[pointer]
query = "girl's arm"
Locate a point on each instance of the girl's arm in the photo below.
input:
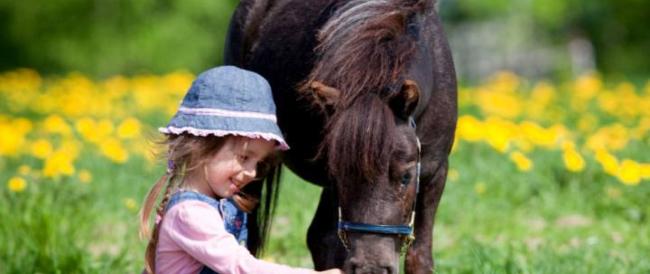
(198, 229)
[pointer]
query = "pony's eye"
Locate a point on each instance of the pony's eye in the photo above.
(406, 178)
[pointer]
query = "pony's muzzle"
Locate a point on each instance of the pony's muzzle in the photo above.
(359, 268)
(373, 254)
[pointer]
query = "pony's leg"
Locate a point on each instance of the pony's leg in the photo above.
(419, 258)
(322, 239)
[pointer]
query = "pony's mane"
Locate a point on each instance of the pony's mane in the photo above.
(364, 50)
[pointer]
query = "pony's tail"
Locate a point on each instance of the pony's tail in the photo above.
(259, 221)
(145, 214)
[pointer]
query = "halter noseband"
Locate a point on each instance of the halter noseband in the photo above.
(404, 231)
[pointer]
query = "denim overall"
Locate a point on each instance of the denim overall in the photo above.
(234, 219)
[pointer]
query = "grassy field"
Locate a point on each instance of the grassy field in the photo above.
(545, 177)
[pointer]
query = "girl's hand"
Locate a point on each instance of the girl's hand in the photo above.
(331, 271)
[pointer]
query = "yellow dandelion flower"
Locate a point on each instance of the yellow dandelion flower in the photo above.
(607, 161)
(22, 125)
(644, 124)
(644, 106)
(587, 86)
(617, 136)
(543, 92)
(86, 128)
(56, 124)
(498, 133)
(105, 126)
(628, 100)
(113, 150)
(505, 81)
(145, 88)
(71, 147)
(77, 102)
(537, 135)
(645, 171)
(608, 102)
(11, 140)
(566, 145)
(573, 161)
(130, 204)
(521, 161)
(85, 176)
(177, 81)
(541, 96)
(480, 188)
(469, 128)
(116, 86)
(24, 170)
(596, 142)
(16, 184)
(500, 104)
(41, 148)
(614, 137)
(59, 163)
(629, 172)
(129, 128)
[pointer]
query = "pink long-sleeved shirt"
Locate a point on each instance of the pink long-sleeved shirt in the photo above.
(192, 235)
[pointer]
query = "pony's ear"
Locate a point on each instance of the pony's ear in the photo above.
(404, 102)
(325, 94)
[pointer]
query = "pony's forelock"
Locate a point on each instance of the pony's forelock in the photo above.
(359, 140)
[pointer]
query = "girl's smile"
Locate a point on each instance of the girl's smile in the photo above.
(234, 187)
(231, 168)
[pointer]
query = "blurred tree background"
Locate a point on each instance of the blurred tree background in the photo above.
(107, 37)
(549, 37)
(535, 38)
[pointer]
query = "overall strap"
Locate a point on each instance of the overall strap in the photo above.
(235, 220)
(191, 195)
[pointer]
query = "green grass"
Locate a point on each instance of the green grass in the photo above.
(546, 221)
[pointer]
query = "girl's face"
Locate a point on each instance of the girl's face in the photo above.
(233, 166)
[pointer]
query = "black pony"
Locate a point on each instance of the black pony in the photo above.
(366, 97)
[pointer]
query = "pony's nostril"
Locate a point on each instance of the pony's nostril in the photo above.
(386, 270)
(373, 270)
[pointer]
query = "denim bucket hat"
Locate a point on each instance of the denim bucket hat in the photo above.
(227, 100)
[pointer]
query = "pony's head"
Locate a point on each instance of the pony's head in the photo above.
(371, 74)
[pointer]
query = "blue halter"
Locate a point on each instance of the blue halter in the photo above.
(404, 231)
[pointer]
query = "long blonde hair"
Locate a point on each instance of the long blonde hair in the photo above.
(186, 153)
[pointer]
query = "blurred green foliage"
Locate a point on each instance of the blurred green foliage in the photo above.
(109, 37)
(616, 28)
(102, 37)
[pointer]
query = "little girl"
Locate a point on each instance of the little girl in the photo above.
(223, 130)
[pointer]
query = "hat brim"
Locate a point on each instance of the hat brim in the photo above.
(198, 125)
